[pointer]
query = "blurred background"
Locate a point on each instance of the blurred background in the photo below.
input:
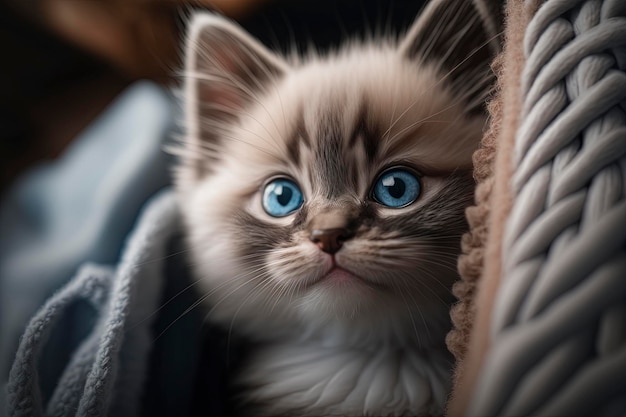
(65, 60)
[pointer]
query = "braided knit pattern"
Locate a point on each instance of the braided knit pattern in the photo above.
(559, 323)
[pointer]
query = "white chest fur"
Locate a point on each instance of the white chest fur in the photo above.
(316, 380)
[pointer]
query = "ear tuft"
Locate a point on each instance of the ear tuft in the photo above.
(461, 37)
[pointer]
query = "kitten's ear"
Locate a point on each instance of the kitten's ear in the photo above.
(226, 69)
(461, 37)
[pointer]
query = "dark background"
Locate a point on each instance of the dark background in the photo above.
(51, 89)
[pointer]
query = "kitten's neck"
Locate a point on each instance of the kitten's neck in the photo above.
(368, 332)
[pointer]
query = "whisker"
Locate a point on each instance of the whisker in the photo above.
(417, 334)
(187, 310)
(166, 303)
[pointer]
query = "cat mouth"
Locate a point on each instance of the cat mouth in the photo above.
(338, 274)
(341, 276)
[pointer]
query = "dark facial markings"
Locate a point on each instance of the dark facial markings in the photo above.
(333, 166)
(300, 219)
(299, 136)
(369, 135)
(259, 236)
(330, 163)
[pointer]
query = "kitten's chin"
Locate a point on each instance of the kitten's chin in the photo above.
(340, 294)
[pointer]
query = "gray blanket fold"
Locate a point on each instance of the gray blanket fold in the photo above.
(105, 371)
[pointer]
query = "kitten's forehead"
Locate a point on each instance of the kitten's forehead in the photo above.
(344, 118)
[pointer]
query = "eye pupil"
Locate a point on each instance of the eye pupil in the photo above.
(396, 188)
(283, 195)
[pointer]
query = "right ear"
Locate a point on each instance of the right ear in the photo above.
(461, 37)
(226, 70)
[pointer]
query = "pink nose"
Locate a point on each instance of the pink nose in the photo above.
(329, 240)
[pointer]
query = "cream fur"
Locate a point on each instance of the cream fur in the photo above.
(372, 346)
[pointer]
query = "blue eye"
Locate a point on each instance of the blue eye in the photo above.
(396, 188)
(281, 197)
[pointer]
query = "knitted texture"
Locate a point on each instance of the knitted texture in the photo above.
(106, 373)
(480, 265)
(471, 261)
(558, 334)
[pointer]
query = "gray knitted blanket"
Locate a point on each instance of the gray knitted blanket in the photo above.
(107, 370)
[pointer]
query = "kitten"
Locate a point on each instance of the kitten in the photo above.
(324, 203)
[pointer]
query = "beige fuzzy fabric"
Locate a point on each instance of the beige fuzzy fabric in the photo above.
(480, 263)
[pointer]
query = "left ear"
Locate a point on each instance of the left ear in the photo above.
(226, 70)
(460, 37)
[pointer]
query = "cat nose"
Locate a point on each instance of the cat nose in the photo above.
(330, 240)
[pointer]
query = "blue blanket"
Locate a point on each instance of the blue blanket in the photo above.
(91, 347)
(80, 207)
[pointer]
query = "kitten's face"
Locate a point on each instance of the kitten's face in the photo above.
(333, 193)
